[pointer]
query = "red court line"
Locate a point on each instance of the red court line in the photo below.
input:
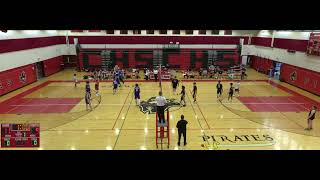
(121, 110)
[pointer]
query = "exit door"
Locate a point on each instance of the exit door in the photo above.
(39, 70)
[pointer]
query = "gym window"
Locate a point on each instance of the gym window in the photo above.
(110, 31)
(123, 31)
(176, 32)
(162, 31)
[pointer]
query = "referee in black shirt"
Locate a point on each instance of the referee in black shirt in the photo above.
(182, 130)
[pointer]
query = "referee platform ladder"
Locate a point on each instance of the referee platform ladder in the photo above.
(163, 131)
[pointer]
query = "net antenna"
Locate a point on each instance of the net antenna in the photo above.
(160, 77)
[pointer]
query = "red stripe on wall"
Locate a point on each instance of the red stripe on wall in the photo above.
(11, 45)
(156, 39)
(292, 44)
(261, 41)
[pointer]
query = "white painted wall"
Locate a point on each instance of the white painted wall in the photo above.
(299, 59)
(19, 34)
(301, 35)
(20, 58)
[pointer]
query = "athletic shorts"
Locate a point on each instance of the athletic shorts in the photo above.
(137, 96)
(115, 86)
(87, 101)
(219, 92)
(236, 90)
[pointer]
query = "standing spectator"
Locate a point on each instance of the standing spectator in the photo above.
(182, 130)
(155, 72)
(311, 117)
(147, 74)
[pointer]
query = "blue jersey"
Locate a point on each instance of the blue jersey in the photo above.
(117, 74)
(137, 93)
(88, 88)
(121, 74)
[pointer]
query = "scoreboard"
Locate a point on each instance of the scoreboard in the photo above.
(20, 135)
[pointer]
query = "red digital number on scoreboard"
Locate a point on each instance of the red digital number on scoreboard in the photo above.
(20, 135)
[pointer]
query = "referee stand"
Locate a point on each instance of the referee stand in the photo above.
(163, 131)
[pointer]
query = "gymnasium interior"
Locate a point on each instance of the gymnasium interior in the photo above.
(43, 107)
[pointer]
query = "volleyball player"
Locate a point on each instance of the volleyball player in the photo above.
(121, 76)
(137, 94)
(194, 92)
(219, 89)
(117, 77)
(75, 80)
(88, 89)
(237, 88)
(88, 100)
(96, 86)
(88, 96)
(175, 83)
(230, 92)
(115, 85)
(183, 96)
(311, 117)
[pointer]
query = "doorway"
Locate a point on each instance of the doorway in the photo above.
(39, 70)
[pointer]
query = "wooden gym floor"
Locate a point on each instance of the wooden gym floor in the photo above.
(267, 115)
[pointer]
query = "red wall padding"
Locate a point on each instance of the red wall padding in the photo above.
(10, 79)
(95, 59)
(261, 63)
(52, 65)
(11, 45)
(145, 57)
(292, 44)
(305, 79)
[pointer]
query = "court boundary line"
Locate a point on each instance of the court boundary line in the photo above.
(120, 129)
(121, 110)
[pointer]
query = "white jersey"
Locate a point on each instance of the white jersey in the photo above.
(237, 86)
(155, 71)
(161, 101)
(75, 79)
